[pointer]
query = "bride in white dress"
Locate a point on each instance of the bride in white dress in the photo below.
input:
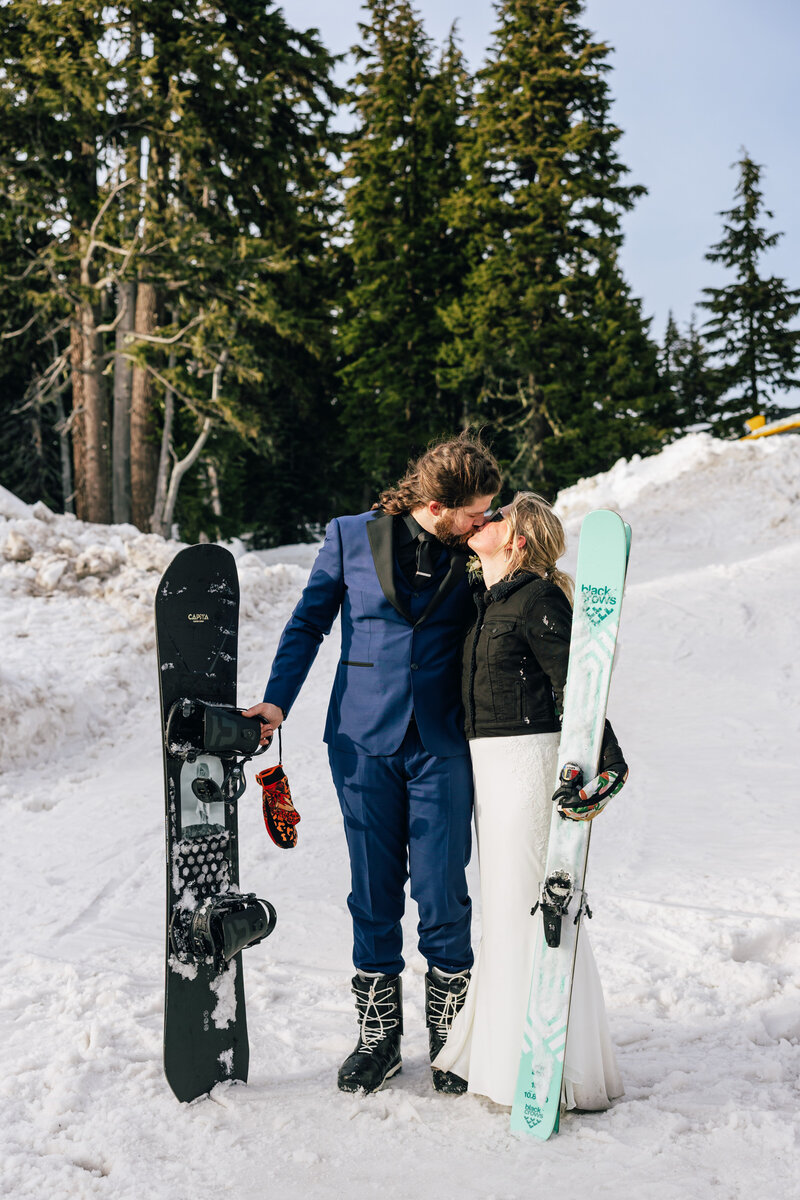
(515, 661)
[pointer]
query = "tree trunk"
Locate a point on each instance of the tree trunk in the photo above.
(78, 495)
(529, 468)
(534, 469)
(213, 487)
(68, 498)
(123, 383)
(162, 480)
(96, 424)
(214, 495)
(144, 443)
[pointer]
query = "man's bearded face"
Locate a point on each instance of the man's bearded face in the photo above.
(444, 530)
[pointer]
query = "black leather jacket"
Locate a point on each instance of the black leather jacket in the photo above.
(515, 660)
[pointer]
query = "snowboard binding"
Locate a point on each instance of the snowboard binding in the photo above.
(195, 727)
(220, 928)
(207, 790)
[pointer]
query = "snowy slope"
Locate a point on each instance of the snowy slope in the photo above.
(693, 880)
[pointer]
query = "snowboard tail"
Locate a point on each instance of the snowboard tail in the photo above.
(600, 578)
(205, 740)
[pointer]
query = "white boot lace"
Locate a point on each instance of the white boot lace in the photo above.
(379, 1015)
(445, 998)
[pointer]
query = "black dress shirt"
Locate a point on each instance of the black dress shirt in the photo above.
(407, 550)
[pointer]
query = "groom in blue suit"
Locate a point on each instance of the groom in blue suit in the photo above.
(395, 735)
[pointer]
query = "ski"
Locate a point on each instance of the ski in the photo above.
(205, 744)
(600, 578)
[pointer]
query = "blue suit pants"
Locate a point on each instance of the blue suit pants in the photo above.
(407, 815)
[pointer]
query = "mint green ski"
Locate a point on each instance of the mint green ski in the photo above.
(599, 583)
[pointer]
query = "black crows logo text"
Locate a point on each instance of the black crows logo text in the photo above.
(598, 603)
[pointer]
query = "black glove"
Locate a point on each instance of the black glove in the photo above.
(583, 803)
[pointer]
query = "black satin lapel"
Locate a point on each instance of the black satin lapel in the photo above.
(458, 567)
(379, 532)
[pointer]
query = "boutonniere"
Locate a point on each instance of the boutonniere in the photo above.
(474, 569)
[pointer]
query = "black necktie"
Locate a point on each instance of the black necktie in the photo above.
(426, 559)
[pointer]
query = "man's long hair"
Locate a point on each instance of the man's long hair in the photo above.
(453, 473)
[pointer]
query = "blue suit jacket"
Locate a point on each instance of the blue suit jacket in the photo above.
(392, 662)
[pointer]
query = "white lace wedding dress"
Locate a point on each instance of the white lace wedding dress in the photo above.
(514, 779)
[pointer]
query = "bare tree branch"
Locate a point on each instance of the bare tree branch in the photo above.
(53, 333)
(59, 286)
(112, 325)
(18, 278)
(23, 329)
(114, 249)
(217, 377)
(187, 400)
(181, 467)
(104, 207)
(38, 391)
(54, 368)
(179, 470)
(162, 341)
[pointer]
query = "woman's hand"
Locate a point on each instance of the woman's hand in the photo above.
(579, 803)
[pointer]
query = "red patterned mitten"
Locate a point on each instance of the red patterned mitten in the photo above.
(280, 815)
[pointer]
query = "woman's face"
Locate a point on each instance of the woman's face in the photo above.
(491, 537)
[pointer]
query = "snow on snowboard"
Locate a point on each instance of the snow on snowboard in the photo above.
(599, 581)
(206, 742)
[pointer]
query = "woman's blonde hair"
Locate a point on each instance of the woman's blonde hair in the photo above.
(532, 517)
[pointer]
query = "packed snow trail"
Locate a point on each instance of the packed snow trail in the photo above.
(692, 879)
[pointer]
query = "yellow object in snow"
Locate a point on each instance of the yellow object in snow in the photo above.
(759, 428)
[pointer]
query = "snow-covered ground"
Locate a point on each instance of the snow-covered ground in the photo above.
(693, 879)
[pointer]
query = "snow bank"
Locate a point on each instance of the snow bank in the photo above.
(692, 877)
(699, 500)
(81, 658)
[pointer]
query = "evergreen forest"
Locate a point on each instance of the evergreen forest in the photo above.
(222, 315)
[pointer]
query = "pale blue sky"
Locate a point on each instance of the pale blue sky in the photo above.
(693, 81)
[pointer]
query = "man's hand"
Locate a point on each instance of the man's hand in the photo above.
(271, 717)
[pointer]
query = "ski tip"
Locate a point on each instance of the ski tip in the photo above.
(603, 515)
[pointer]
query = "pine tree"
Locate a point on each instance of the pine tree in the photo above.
(176, 167)
(30, 414)
(749, 331)
(407, 263)
(692, 385)
(52, 121)
(547, 341)
(251, 213)
(31, 404)
(668, 360)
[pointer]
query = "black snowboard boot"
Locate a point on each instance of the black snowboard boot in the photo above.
(379, 1005)
(444, 997)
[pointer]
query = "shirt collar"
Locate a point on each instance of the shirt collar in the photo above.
(409, 529)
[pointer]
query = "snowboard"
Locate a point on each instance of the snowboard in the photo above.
(600, 578)
(205, 744)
